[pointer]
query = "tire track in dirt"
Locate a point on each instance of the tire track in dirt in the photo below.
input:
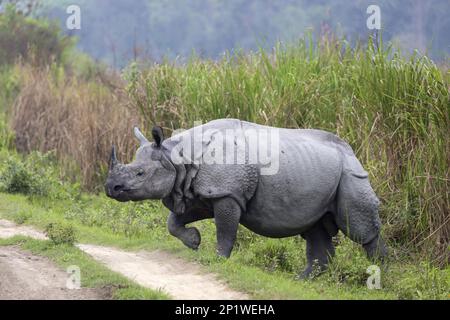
(24, 276)
(152, 269)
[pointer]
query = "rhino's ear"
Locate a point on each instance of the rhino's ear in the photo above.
(142, 140)
(158, 135)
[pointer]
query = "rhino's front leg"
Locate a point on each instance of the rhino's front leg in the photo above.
(176, 223)
(227, 214)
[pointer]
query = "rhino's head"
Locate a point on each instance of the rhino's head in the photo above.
(150, 176)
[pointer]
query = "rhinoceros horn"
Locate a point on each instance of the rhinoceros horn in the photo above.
(113, 160)
(142, 140)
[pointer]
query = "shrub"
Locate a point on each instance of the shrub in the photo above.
(16, 178)
(30, 39)
(35, 175)
(60, 233)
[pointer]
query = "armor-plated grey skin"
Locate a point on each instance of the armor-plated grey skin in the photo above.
(319, 188)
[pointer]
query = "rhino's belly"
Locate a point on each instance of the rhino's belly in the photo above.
(287, 218)
(274, 228)
(298, 195)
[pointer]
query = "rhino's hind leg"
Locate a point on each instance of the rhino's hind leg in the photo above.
(319, 249)
(176, 224)
(357, 214)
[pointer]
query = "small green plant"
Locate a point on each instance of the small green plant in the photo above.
(21, 217)
(60, 233)
(273, 256)
(349, 264)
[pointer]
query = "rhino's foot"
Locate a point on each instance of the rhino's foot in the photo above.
(191, 238)
(312, 271)
(376, 249)
(176, 225)
(223, 253)
(319, 250)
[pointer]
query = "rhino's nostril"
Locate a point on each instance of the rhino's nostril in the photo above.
(118, 187)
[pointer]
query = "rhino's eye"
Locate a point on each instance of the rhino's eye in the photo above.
(140, 173)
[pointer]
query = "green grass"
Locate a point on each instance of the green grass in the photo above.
(93, 274)
(264, 268)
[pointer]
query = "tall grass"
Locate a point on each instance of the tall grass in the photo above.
(393, 111)
(78, 119)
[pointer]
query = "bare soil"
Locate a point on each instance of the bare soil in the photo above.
(26, 276)
(161, 270)
(9, 229)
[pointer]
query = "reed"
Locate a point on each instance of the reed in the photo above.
(78, 120)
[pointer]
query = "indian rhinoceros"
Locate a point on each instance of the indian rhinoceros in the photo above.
(313, 186)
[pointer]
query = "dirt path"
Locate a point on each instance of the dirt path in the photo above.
(26, 276)
(156, 269)
(161, 270)
(9, 229)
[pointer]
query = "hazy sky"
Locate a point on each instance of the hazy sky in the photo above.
(120, 30)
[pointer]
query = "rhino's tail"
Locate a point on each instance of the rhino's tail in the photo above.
(357, 204)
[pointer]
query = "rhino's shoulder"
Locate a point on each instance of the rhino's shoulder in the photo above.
(236, 181)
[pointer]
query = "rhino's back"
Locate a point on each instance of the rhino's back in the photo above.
(295, 135)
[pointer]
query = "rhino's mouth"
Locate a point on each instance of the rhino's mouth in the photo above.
(127, 195)
(122, 195)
